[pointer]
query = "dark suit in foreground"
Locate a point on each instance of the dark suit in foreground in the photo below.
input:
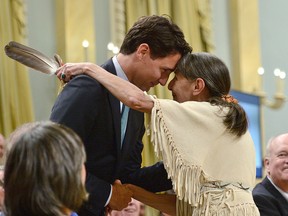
(94, 113)
(269, 200)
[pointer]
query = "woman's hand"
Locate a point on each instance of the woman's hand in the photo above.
(70, 70)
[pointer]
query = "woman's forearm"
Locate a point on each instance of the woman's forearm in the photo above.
(125, 91)
(163, 202)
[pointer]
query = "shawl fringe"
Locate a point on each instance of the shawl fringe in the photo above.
(185, 177)
(247, 209)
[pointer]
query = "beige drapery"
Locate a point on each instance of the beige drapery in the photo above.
(192, 16)
(15, 96)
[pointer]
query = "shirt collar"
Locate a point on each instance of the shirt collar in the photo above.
(119, 70)
(120, 73)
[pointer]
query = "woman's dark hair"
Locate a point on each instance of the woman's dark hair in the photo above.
(217, 80)
(160, 33)
(43, 171)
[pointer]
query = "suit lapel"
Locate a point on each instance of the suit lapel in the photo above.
(270, 187)
(115, 107)
(125, 146)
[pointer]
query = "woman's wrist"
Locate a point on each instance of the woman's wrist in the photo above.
(88, 68)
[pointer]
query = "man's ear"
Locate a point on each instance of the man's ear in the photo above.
(266, 162)
(142, 50)
(199, 86)
(266, 165)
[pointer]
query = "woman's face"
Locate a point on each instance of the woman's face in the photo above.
(182, 88)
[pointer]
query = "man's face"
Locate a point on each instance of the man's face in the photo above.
(277, 163)
(151, 72)
(181, 88)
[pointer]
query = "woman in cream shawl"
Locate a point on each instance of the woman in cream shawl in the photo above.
(201, 136)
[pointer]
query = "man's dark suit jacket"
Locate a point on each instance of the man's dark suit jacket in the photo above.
(94, 113)
(269, 200)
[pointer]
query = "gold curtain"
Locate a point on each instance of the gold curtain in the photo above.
(192, 16)
(15, 95)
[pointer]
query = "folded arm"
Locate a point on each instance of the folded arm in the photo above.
(125, 91)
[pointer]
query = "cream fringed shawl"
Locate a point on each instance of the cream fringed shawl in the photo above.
(199, 152)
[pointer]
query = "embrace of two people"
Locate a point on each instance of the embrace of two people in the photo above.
(201, 136)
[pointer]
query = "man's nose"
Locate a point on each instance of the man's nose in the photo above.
(164, 78)
(163, 81)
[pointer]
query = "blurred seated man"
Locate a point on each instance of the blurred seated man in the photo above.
(134, 208)
(271, 195)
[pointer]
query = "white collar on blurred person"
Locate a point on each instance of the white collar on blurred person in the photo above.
(120, 73)
(119, 70)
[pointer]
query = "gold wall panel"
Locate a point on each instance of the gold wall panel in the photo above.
(75, 23)
(245, 38)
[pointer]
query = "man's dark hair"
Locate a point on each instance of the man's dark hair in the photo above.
(160, 33)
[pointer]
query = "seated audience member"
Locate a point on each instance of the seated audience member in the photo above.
(44, 171)
(134, 208)
(271, 195)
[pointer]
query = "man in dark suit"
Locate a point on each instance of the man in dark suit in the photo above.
(149, 53)
(271, 195)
